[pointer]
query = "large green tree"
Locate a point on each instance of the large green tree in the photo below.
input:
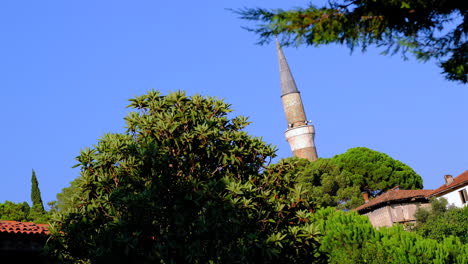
(184, 184)
(37, 213)
(436, 29)
(340, 181)
(36, 198)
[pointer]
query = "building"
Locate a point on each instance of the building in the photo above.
(394, 206)
(22, 242)
(455, 190)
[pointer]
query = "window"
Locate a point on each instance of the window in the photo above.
(463, 196)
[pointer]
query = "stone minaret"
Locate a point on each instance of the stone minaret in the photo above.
(300, 134)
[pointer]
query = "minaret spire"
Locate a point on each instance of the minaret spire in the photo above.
(288, 85)
(300, 134)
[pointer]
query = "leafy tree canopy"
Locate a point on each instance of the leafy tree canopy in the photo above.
(14, 211)
(441, 221)
(67, 197)
(429, 29)
(22, 212)
(184, 184)
(339, 181)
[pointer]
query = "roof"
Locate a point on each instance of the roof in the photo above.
(394, 195)
(23, 228)
(458, 181)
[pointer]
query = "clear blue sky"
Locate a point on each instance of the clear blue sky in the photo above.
(67, 69)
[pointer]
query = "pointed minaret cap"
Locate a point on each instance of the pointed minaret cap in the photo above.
(288, 85)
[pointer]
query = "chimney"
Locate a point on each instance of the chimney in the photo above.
(448, 179)
(365, 195)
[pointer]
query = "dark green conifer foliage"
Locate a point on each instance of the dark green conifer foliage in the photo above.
(430, 29)
(36, 194)
(339, 181)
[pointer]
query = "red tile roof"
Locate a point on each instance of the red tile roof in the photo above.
(395, 195)
(458, 181)
(23, 228)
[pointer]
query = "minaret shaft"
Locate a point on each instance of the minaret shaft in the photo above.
(294, 109)
(300, 135)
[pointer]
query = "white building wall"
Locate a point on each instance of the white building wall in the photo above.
(380, 217)
(454, 198)
(396, 213)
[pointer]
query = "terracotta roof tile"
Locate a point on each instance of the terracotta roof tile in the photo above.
(460, 180)
(23, 228)
(394, 195)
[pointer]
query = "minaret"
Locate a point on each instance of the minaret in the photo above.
(300, 134)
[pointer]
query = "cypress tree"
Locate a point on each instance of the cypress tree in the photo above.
(36, 194)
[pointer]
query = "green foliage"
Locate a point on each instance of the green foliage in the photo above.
(440, 222)
(350, 238)
(184, 184)
(339, 181)
(428, 29)
(37, 215)
(36, 194)
(13, 211)
(67, 197)
(283, 209)
(344, 235)
(22, 212)
(439, 206)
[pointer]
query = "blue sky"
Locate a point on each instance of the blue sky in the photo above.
(67, 69)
